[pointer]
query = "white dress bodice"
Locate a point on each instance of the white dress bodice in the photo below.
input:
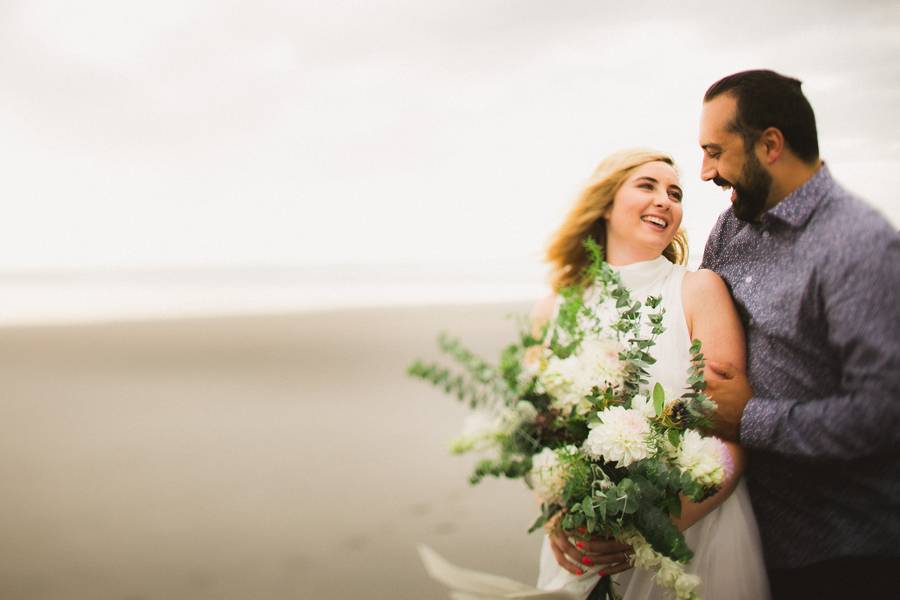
(659, 277)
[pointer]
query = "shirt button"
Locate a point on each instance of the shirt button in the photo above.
(765, 234)
(748, 279)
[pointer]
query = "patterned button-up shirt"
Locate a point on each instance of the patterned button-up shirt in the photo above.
(817, 284)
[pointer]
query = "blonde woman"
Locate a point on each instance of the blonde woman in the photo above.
(632, 207)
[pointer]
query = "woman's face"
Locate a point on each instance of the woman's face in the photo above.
(645, 213)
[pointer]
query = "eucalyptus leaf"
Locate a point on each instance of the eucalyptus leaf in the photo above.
(588, 506)
(674, 437)
(659, 399)
(537, 523)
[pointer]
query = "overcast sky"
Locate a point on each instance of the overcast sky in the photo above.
(191, 133)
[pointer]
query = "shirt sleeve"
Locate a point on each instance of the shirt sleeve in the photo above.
(862, 417)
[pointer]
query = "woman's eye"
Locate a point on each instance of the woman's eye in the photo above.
(646, 186)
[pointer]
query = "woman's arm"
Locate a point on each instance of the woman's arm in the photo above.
(542, 313)
(691, 511)
(712, 318)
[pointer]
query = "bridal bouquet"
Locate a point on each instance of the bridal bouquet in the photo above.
(572, 413)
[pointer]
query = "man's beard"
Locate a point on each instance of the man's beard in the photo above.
(752, 191)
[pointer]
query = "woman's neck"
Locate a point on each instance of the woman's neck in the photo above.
(618, 256)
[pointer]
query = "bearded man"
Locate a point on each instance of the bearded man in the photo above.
(815, 274)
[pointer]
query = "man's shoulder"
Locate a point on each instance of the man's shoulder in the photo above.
(851, 223)
(848, 235)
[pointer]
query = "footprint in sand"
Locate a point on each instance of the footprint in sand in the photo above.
(355, 543)
(445, 528)
(420, 509)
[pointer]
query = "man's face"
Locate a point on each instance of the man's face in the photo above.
(729, 163)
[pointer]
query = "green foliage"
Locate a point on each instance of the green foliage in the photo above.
(698, 406)
(511, 365)
(477, 382)
(596, 264)
(597, 496)
(547, 513)
(507, 465)
(659, 399)
(581, 476)
(452, 383)
(659, 531)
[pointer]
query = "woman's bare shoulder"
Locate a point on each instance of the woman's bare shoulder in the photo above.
(707, 301)
(704, 285)
(543, 308)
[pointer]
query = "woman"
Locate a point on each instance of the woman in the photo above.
(632, 208)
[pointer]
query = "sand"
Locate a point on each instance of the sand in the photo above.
(280, 456)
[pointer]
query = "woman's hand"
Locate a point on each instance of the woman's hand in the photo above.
(611, 556)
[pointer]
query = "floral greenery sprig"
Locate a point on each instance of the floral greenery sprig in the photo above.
(699, 406)
(480, 383)
(573, 413)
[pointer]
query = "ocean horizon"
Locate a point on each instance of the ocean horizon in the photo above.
(57, 297)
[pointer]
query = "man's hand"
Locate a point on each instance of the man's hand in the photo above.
(610, 555)
(731, 390)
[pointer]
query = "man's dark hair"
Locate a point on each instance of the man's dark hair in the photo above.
(768, 99)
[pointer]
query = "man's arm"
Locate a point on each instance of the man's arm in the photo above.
(862, 417)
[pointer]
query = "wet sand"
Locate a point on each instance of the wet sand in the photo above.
(282, 456)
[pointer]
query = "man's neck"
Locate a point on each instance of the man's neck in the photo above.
(789, 177)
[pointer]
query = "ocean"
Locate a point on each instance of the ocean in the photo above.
(98, 295)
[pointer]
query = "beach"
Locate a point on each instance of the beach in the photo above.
(254, 456)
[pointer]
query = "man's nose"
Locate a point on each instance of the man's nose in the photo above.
(707, 169)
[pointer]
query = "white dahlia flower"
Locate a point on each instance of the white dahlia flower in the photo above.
(595, 364)
(600, 357)
(644, 405)
(706, 459)
(563, 380)
(620, 437)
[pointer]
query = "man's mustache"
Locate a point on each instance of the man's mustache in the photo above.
(721, 182)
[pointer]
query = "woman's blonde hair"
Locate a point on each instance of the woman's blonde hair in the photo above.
(566, 252)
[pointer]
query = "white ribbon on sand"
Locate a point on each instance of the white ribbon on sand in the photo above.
(466, 584)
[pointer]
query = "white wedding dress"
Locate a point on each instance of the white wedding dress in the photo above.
(727, 550)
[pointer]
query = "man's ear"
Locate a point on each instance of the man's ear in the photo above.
(772, 142)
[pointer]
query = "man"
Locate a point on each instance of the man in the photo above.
(815, 275)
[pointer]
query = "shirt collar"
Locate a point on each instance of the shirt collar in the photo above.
(798, 206)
